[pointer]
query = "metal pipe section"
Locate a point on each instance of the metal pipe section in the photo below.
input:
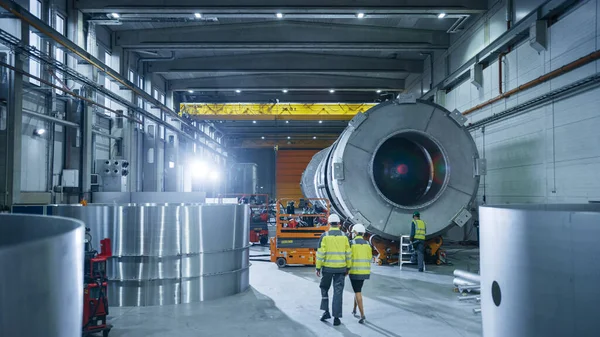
(394, 159)
(475, 278)
(42, 280)
(170, 253)
(462, 282)
(539, 270)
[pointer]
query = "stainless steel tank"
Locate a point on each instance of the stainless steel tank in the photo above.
(539, 270)
(41, 283)
(170, 253)
(394, 159)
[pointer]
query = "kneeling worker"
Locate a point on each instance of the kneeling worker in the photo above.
(360, 268)
(333, 260)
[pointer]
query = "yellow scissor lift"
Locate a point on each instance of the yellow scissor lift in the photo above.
(296, 240)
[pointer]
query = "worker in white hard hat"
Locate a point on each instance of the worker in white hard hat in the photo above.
(360, 267)
(333, 262)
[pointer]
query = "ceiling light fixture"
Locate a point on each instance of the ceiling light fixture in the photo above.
(289, 137)
(198, 15)
(314, 137)
(263, 137)
(191, 91)
(441, 15)
(320, 122)
(287, 122)
(360, 15)
(378, 91)
(39, 132)
(115, 15)
(253, 122)
(238, 91)
(279, 15)
(284, 91)
(331, 91)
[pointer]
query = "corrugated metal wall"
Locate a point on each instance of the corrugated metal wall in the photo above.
(290, 165)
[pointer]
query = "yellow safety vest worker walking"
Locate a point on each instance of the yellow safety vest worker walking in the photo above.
(333, 260)
(360, 268)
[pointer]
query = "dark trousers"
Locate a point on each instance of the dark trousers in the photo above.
(338, 292)
(420, 248)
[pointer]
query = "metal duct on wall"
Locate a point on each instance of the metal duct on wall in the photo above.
(42, 262)
(539, 270)
(170, 253)
(394, 159)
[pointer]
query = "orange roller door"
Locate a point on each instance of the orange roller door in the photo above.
(290, 165)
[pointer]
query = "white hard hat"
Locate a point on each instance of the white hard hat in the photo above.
(359, 228)
(333, 218)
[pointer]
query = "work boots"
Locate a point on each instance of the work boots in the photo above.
(336, 321)
(325, 316)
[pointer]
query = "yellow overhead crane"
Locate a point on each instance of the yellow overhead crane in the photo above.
(270, 111)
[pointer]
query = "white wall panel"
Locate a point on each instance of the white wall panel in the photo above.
(550, 153)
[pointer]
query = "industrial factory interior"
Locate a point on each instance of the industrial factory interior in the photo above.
(247, 168)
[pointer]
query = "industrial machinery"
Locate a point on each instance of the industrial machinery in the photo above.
(396, 158)
(41, 278)
(298, 233)
(95, 290)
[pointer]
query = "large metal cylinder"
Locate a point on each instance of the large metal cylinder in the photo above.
(41, 283)
(539, 270)
(170, 253)
(395, 159)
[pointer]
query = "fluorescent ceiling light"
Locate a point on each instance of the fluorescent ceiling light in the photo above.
(331, 91)
(289, 137)
(279, 15)
(253, 122)
(441, 15)
(320, 122)
(115, 15)
(191, 91)
(378, 91)
(198, 15)
(238, 91)
(263, 137)
(360, 15)
(285, 91)
(314, 137)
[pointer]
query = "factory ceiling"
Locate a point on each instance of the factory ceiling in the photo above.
(284, 51)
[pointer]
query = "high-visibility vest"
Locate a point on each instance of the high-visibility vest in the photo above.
(334, 253)
(420, 229)
(362, 254)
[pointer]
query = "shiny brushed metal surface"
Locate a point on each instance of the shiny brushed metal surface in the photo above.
(156, 246)
(540, 270)
(42, 276)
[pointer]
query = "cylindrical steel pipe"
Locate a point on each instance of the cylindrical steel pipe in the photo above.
(170, 253)
(41, 286)
(475, 278)
(395, 159)
(539, 270)
(462, 282)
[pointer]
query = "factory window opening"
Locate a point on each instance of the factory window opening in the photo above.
(409, 169)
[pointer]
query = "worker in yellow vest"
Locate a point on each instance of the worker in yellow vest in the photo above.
(360, 268)
(418, 230)
(333, 262)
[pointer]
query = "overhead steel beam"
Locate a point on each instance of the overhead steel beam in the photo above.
(289, 97)
(289, 111)
(280, 144)
(271, 82)
(283, 35)
(284, 62)
(286, 6)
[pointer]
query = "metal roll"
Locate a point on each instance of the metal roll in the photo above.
(215, 251)
(394, 159)
(41, 286)
(170, 253)
(475, 278)
(539, 270)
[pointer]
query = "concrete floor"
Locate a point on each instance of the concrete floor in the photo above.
(285, 302)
